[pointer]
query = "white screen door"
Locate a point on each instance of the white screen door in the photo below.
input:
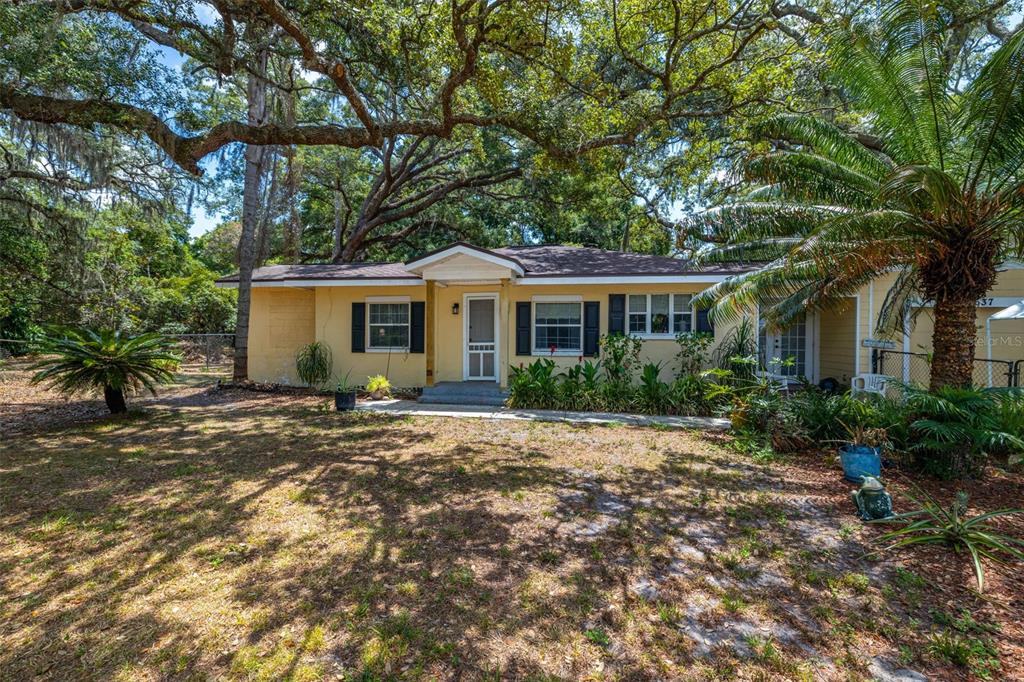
(481, 338)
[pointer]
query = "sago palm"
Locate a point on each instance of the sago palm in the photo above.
(81, 360)
(931, 187)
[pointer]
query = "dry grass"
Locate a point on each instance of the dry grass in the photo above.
(244, 537)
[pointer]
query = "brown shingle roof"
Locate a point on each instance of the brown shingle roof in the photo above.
(280, 273)
(537, 261)
(583, 261)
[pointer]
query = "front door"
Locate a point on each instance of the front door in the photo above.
(481, 335)
(786, 353)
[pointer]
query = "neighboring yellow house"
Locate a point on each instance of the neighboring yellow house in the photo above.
(464, 313)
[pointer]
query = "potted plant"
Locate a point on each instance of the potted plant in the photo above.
(862, 455)
(344, 395)
(378, 387)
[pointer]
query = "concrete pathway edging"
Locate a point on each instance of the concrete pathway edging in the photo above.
(413, 408)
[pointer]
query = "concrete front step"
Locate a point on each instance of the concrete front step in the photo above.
(464, 393)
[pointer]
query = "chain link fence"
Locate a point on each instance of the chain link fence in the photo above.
(206, 349)
(916, 369)
(209, 350)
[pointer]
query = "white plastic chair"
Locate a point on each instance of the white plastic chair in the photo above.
(869, 383)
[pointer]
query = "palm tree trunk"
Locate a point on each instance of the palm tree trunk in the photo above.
(114, 398)
(953, 341)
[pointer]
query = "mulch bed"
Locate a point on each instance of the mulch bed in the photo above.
(950, 577)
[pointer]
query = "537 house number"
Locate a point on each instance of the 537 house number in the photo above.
(986, 302)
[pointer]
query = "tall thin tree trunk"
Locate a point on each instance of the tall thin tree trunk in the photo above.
(339, 228)
(953, 340)
(293, 225)
(256, 94)
(270, 206)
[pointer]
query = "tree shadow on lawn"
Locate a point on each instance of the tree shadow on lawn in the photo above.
(115, 532)
(269, 542)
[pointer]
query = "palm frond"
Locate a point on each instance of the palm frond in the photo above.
(827, 140)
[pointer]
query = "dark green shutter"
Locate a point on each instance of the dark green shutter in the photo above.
(591, 327)
(417, 328)
(358, 327)
(617, 314)
(704, 323)
(522, 328)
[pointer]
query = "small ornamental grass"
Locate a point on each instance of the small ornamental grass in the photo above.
(953, 528)
(313, 364)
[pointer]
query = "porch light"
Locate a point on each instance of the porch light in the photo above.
(455, 308)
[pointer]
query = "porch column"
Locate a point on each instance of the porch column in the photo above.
(429, 325)
(505, 357)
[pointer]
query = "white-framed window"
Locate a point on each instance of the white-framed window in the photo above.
(557, 327)
(387, 325)
(660, 314)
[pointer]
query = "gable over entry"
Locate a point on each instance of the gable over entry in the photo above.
(465, 263)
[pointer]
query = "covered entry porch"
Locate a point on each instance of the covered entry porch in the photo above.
(467, 304)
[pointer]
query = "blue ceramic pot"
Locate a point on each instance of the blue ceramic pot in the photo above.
(860, 461)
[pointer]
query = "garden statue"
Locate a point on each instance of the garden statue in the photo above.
(872, 501)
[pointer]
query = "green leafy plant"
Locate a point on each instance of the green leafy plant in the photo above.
(344, 385)
(378, 386)
(620, 354)
(115, 363)
(954, 429)
(313, 364)
(737, 351)
(953, 528)
(534, 386)
(693, 351)
(653, 394)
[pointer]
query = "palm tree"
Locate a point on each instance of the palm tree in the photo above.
(931, 188)
(86, 359)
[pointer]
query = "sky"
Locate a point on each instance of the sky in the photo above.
(202, 222)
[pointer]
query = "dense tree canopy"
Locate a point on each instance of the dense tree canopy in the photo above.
(341, 131)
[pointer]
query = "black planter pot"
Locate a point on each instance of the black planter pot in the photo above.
(344, 400)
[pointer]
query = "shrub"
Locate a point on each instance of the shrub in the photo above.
(693, 351)
(620, 354)
(105, 360)
(580, 386)
(378, 384)
(534, 386)
(652, 396)
(737, 351)
(313, 364)
(954, 429)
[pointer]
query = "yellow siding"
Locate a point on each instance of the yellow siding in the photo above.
(654, 350)
(837, 342)
(280, 322)
(284, 319)
(1007, 336)
(334, 327)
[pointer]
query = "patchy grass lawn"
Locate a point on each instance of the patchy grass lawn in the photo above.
(230, 535)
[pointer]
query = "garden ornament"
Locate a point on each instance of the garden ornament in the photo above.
(872, 501)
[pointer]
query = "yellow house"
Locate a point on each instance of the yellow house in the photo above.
(466, 314)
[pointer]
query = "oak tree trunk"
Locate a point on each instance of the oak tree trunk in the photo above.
(953, 340)
(256, 93)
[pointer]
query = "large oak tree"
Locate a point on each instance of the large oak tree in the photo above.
(569, 78)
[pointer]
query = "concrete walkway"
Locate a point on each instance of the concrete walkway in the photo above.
(411, 407)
